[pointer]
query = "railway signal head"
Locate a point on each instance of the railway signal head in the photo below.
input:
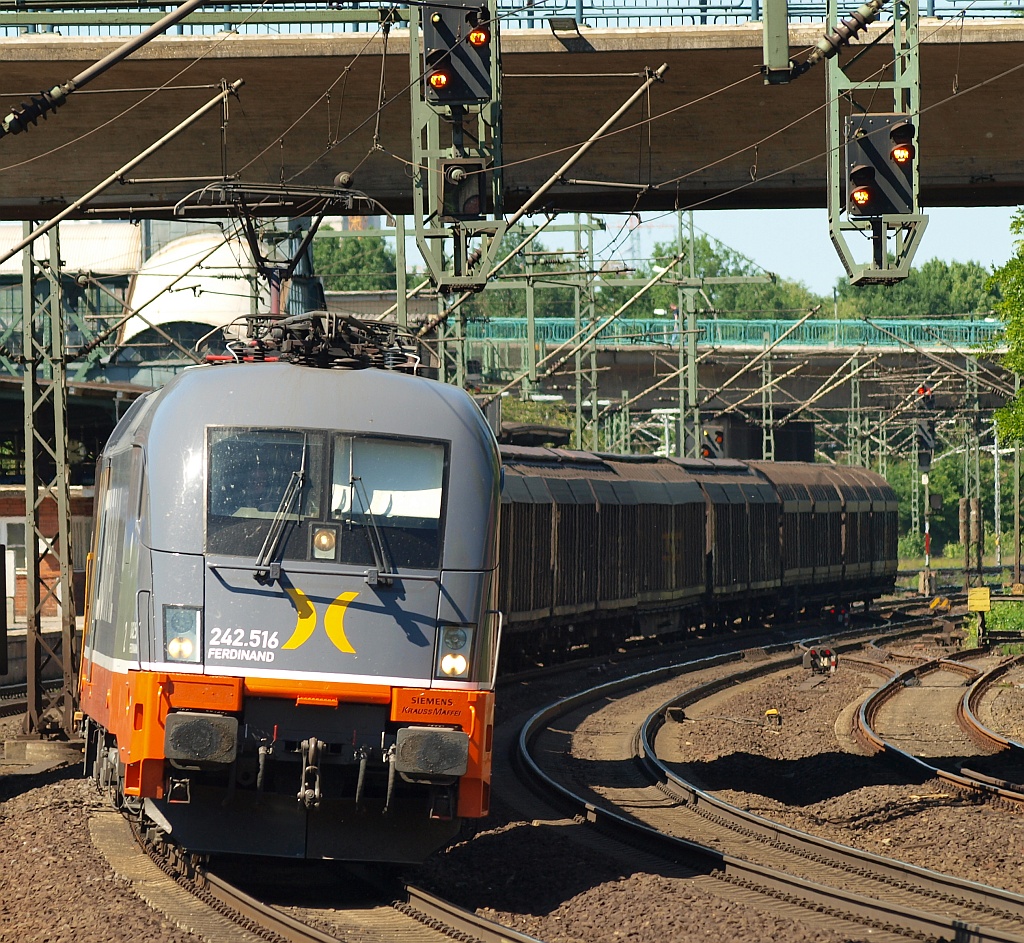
(925, 433)
(457, 54)
(880, 173)
(901, 136)
(712, 442)
(926, 396)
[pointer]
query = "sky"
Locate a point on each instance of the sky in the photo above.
(795, 244)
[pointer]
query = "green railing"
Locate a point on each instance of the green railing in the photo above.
(846, 334)
(125, 17)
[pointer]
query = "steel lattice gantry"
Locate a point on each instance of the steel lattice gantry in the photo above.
(46, 488)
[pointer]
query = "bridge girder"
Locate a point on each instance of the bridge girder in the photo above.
(709, 147)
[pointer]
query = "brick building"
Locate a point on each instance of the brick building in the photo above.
(12, 536)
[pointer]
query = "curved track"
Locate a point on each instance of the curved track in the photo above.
(924, 717)
(893, 899)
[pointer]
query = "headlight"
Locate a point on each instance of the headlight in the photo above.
(455, 646)
(325, 539)
(182, 634)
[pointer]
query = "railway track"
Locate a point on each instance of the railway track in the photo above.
(643, 800)
(923, 715)
(204, 901)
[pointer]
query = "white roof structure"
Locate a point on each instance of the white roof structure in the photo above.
(202, 278)
(100, 248)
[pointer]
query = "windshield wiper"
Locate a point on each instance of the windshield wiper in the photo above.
(266, 571)
(373, 535)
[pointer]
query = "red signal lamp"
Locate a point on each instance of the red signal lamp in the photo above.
(903, 153)
(861, 196)
(479, 36)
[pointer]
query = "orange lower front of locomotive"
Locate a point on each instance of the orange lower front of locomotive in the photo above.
(133, 709)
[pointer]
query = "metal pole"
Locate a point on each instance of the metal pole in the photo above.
(1016, 498)
(401, 275)
(577, 311)
(3, 610)
(998, 495)
(927, 540)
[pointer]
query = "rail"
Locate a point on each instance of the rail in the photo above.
(961, 335)
(124, 17)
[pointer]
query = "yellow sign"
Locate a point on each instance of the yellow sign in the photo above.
(979, 599)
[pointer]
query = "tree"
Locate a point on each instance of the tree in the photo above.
(355, 263)
(1009, 278)
(780, 298)
(936, 288)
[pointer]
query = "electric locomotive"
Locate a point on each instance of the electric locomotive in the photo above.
(291, 641)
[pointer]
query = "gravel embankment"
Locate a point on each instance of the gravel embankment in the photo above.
(535, 876)
(54, 886)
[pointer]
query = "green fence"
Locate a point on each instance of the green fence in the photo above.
(847, 334)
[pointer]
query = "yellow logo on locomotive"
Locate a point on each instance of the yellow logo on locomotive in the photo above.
(334, 621)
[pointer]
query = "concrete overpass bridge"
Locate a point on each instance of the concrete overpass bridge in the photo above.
(711, 135)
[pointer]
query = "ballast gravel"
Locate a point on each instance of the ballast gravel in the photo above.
(56, 888)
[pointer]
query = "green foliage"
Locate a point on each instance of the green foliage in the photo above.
(355, 263)
(953, 551)
(1005, 617)
(505, 296)
(946, 479)
(971, 626)
(545, 414)
(910, 546)
(935, 288)
(1010, 280)
(778, 299)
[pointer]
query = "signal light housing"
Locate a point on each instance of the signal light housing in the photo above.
(457, 43)
(863, 191)
(712, 442)
(463, 191)
(880, 172)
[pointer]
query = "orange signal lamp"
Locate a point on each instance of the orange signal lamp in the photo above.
(862, 186)
(861, 196)
(902, 137)
(903, 153)
(438, 80)
(479, 36)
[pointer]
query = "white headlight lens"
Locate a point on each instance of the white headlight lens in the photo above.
(454, 665)
(454, 650)
(180, 648)
(182, 628)
(324, 541)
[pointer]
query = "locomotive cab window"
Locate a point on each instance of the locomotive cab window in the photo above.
(386, 493)
(348, 499)
(255, 476)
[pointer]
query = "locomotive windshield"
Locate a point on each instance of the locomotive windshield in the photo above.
(364, 500)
